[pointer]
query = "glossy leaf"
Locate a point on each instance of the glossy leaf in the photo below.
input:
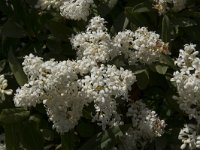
(161, 69)
(105, 140)
(16, 68)
(142, 77)
(13, 115)
(2, 64)
(12, 29)
(165, 29)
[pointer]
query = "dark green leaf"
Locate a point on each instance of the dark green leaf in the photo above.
(105, 140)
(139, 8)
(2, 64)
(16, 68)
(11, 135)
(165, 29)
(112, 3)
(59, 30)
(67, 141)
(13, 115)
(166, 59)
(85, 129)
(31, 137)
(12, 29)
(142, 77)
(47, 134)
(184, 22)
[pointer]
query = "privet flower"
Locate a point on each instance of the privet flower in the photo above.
(188, 86)
(65, 87)
(189, 137)
(76, 10)
(95, 43)
(3, 86)
(70, 9)
(103, 86)
(140, 46)
(55, 85)
(145, 127)
(163, 5)
(188, 82)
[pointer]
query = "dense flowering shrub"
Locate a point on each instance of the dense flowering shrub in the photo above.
(91, 74)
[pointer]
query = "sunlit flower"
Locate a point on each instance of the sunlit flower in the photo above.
(3, 86)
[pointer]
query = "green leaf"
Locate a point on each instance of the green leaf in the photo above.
(47, 134)
(67, 141)
(59, 30)
(184, 22)
(142, 77)
(161, 69)
(12, 29)
(85, 129)
(105, 140)
(2, 64)
(166, 59)
(31, 137)
(139, 8)
(112, 3)
(11, 136)
(6, 9)
(165, 29)
(16, 68)
(13, 115)
(54, 45)
(35, 120)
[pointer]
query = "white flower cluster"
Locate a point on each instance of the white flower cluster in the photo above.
(70, 9)
(163, 5)
(55, 85)
(139, 46)
(76, 10)
(3, 86)
(103, 86)
(142, 45)
(187, 80)
(188, 136)
(66, 87)
(145, 127)
(95, 43)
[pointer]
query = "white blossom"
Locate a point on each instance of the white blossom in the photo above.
(103, 86)
(145, 127)
(188, 82)
(95, 43)
(142, 45)
(3, 86)
(65, 87)
(55, 85)
(163, 5)
(70, 9)
(189, 137)
(76, 9)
